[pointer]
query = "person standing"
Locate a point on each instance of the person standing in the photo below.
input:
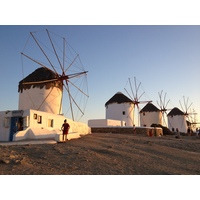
(197, 132)
(177, 134)
(65, 129)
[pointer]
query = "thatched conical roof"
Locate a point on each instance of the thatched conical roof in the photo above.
(149, 108)
(38, 78)
(175, 111)
(118, 98)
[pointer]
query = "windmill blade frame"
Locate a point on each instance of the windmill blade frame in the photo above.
(68, 68)
(135, 97)
(163, 106)
(187, 106)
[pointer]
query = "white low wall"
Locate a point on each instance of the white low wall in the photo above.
(104, 122)
(34, 134)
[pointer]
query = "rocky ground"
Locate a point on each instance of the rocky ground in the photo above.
(105, 154)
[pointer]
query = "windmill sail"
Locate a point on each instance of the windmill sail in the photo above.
(163, 103)
(133, 89)
(55, 68)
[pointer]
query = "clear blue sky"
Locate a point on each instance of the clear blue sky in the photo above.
(160, 57)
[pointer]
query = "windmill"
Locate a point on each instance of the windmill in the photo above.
(190, 116)
(163, 103)
(132, 88)
(62, 68)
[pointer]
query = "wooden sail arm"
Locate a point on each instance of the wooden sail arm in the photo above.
(138, 102)
(54, 49)
(128, 94)
(71, 63)
(75, 75)
(131, 88)
(43, 52)
(60, 78)
(34, 60)
(72, 99)
(78, 89)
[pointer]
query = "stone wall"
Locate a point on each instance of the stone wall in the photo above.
(149, 131)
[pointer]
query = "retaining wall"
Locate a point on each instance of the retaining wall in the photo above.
(149, 131)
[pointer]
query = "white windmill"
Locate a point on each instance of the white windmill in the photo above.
(120, 107)
(133, 89)
(149, 115)
(55, 73)
(192, 119)
(188, 112)
(177, 120)
(163, 103)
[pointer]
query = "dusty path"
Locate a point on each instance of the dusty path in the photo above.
(105, 154)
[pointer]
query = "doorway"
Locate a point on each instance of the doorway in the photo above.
(15, 125)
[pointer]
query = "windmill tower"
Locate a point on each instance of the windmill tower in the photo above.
(55, 79)
(132, 88)
(41, 90)
(177, 119)
(120, 107)
(163, 103)
(149, 115)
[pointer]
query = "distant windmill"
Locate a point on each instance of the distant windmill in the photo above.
(162, 103)
(186, 106)
(132, 88)
(192, 118)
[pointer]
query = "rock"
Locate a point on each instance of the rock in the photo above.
(12, 156)
(4, 161)
(18, 161)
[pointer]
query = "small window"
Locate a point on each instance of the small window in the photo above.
(123, 113)
(50, 122)
(39, 119)
(143, 113)
(35, 116)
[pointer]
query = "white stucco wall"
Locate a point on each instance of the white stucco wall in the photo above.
(121, 112)
(104, 123)
(178, 121)
(4, 125)
(150, 118)
(47, 100)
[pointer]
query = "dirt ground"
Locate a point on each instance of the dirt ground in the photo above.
(105, 154)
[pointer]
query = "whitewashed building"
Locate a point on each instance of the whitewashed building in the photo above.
(38, 115)
(27, 124)
(177, 119)
(120, 107)
(149, 115)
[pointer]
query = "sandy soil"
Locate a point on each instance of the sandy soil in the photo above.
(105, 154)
